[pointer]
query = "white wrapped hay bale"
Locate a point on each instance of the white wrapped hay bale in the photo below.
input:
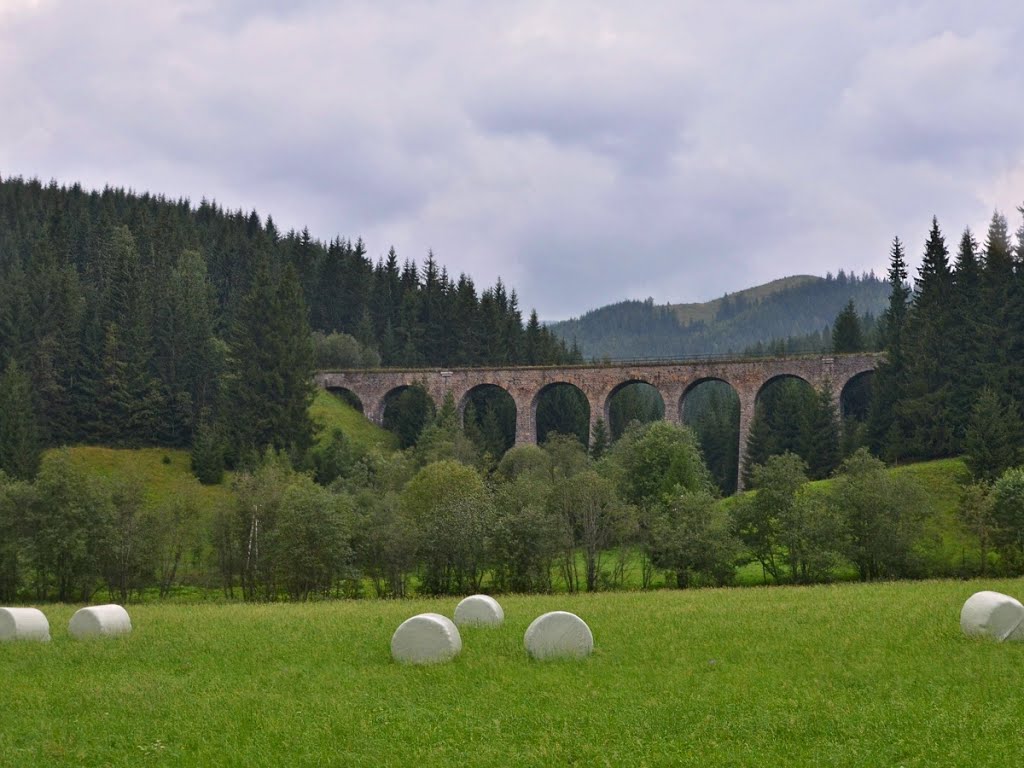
(97, 620)
(993, 614)
(479, 611)
(558, 634)
(427, 638)
(23, 624)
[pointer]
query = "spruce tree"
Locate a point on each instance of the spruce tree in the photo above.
(997, 282)
(119, 400)
(207, 455)
(532, 340)
(820, 444)
(493, 435)
(599, 440)
(471, 425)
(846, 333)
(21, 448)
(965, 342)
(1015, 322)
(994, 435)
(885, 434)
(929, 357)
(760, 445)
(270, 379)
(465, 325)
(56, 306)
(184, 347)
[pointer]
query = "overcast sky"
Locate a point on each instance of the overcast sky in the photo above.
(586, 152)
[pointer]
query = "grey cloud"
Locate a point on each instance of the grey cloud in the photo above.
(586, 152)
(944, 99)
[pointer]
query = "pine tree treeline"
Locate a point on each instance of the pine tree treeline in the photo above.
(137, 319)
(952, 380)
(954, 341)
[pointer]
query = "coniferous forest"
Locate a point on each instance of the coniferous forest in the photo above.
(133, 320)
(794, 318)
(130, 320)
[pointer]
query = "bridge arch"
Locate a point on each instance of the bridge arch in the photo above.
(462, 400)
(855, 395)
(710, 406)
(618, 414)
(773, 380)
(349, 396)
(405, 409)
(561, 406)
(700, 381)
(489, 408)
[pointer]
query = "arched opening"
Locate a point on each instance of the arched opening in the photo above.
(633, 401)
(489, 419)
(407, 410)
(348, 397)
(854, 405)
(562, 408)
(790, 416)
(711, 408)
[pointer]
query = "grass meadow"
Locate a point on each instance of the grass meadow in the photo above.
(846, 675)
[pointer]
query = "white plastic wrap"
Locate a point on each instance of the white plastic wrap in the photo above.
(427, 638)
(479, 611)
(23, 624)
(558, 634)
(994, 615)
(97, 620)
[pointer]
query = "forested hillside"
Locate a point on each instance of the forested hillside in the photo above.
(802, 306)
(130, 319)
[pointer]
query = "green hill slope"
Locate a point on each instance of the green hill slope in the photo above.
(708, 310)
(945, 548)
(330, 412)
(163, 473)
(790, 307)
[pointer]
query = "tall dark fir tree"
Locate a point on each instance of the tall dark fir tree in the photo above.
(270, 368)
(847, 335)
(885, 434)
(965, 335)
(21, 446)
(929, 356)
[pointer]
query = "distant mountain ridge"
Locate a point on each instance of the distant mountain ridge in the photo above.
(795, 306)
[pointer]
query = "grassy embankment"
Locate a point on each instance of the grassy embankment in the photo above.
(329, 412)
(851, 675)
(166, 473)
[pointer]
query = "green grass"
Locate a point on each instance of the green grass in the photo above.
(847, 675)
(163, 472)
(329, 411)
(941, 484)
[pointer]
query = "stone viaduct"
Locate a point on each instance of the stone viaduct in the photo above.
(599, 382)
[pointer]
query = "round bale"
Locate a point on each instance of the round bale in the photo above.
(993, 614)
(427, 638)
(97, 620)
(23, 624)
(558, 634)
(479, 611)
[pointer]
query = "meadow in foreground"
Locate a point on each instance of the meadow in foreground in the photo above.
(852, 675)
